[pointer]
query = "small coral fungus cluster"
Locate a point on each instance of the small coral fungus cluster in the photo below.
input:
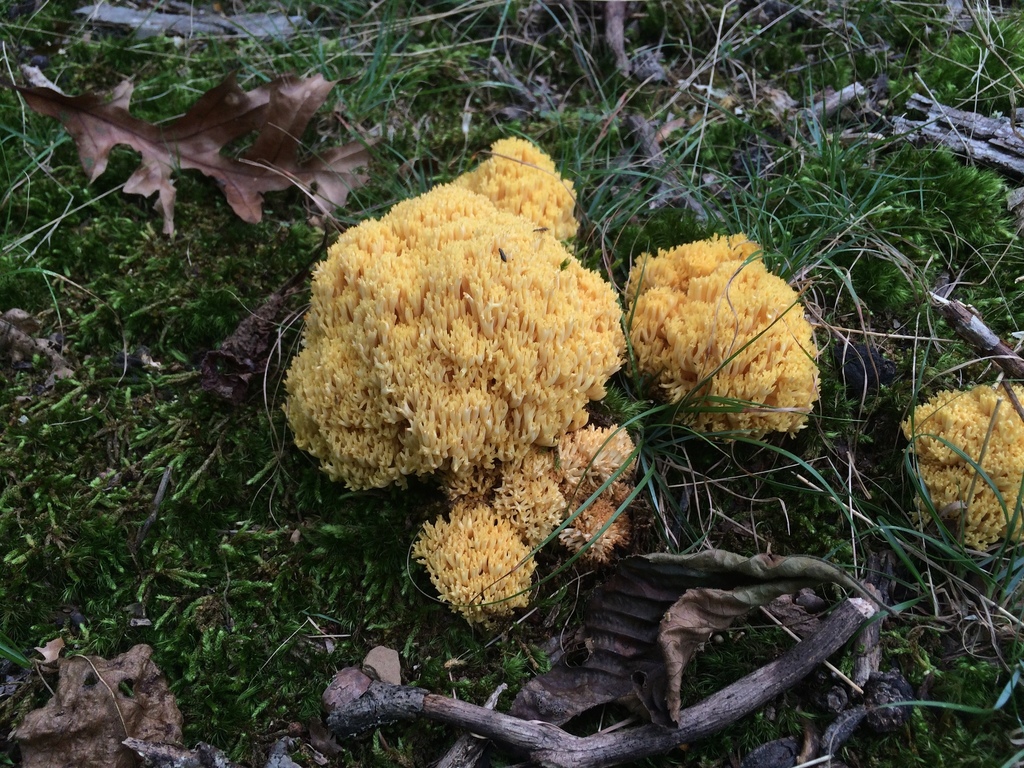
(969, 448)
(480, 557)
(456, 337)
(713, 327)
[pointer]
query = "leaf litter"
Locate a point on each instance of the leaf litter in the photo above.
(278, 112)
(644, 625)
(97, 704)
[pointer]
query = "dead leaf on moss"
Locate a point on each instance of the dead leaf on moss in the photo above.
(278, 111)
(98, 703)
(19, 345)
(229, 370)
(51, 651)
(644, 625)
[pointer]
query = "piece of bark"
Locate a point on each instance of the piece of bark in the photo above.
(832, 102)
(195, 23)
(841, 729)
(1015, 205)
(278, 756)
(228, 371)
(868, 649)
(781, 753)
(549, 745)
(159, 755)
(993, 141)
(882, 691)
(615, 33)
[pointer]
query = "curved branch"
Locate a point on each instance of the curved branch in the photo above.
(549, 745)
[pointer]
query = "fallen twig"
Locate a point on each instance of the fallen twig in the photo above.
(549, 745)
(468, 749)
(161, 491)
(831, 103)
(973, 330)
(985, 342)
(670, 190)
(993, 141)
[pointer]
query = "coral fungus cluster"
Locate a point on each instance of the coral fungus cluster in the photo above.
(713, 327)
(479, 557)
(953, 435)
(457, 337)
(452, 333)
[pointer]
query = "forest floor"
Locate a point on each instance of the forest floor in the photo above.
(139, 504)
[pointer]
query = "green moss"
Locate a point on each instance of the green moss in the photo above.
(978, 69)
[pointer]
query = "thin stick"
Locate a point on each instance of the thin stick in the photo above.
(828, 665)
(155, 509)
(549, 745)
(973, 330)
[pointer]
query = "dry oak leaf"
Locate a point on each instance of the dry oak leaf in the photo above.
(643, 626)
(51, 651)
(98, 703)
(278, 111)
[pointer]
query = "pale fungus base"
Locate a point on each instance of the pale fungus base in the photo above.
(449, 336)
(595, 453)
(708, 322)
(598, 530)
(588, 458)
(984, 426)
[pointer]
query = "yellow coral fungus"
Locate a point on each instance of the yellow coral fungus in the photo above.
(521, 179)
(588, 458)
(477, 562)
(595, 452)
(529, 496)
(982, 425)
(598, 528)
(710, 323)
(447, 336)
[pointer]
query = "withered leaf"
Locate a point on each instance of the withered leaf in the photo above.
(98, 703)
(644, 625)
(229, 371)
(18, 343)
(278, 111)
(51, 651)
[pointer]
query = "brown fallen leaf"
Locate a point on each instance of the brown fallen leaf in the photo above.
(644, 625)
(278, 111)
(19, 344)
(51, 651)
(229, 370)
(98, 704)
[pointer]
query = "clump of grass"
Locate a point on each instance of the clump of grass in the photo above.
(978, 68)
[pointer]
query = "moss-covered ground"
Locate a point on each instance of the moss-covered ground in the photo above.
(257, 577)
